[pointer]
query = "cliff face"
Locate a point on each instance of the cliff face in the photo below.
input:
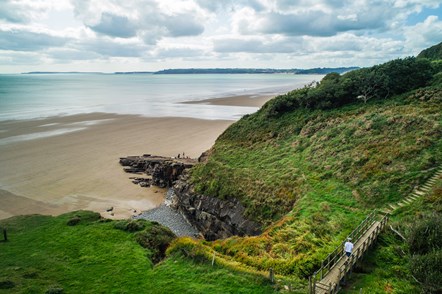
(213, 217)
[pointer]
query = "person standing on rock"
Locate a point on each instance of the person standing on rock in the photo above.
(348, 247)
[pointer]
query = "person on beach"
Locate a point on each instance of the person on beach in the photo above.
(348, 247)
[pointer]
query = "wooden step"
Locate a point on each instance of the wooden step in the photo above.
(392, 206)
(419, 192)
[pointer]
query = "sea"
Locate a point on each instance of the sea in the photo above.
(32, 96)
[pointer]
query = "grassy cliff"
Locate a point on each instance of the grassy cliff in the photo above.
(311, 164)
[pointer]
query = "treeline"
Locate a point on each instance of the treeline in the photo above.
(377, 82)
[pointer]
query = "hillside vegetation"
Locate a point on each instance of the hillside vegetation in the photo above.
(311, 164)
(79, 252)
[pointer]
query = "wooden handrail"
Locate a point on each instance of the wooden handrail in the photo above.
(333, 258)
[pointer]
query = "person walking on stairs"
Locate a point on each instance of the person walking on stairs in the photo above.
(348, 247)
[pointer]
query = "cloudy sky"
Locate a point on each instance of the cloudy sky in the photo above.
(147, 35)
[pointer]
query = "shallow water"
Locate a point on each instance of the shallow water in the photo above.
(29, 96)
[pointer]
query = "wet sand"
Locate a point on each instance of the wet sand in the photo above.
(60, 164)
(241, 100)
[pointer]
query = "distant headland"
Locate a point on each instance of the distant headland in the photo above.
(317, 70)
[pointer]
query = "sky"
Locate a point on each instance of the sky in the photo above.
(150, 35)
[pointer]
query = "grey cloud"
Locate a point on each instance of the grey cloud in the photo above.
(71, 54)
(213, 6)
(115, 26)
(316, 23)
(182, 25)
(19, 40)
(20, 58)
(151, 23)
(14, 12)
(179, 52)
(257, 46)
(283, 5)
(106, 47)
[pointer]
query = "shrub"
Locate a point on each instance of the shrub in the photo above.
(74, 221)
(55, 290)
(426, 235)
(131, 225)
(427, 269)
(7, 284)
(155, 238)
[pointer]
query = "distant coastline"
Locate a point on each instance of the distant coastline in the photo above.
(317, 70)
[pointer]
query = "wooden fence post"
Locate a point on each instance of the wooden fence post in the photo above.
(5, 235)
(271, 275)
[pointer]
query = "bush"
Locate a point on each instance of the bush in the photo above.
(426, 235)
(74, 221)
(7, 284)
(380, 82)
(428, 270)
(55, 290)
(155, 238)
(425, 243)
(131, 225)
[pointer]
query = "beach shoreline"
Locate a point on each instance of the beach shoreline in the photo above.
(60, 169)
(58, 164)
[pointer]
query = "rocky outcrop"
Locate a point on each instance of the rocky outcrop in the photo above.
(213, 217)
(164, 171)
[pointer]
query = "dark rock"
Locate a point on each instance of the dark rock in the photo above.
(164, 170)
(110, 209)
(213, 217)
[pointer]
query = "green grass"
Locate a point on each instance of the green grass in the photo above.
(102, 256)
(310, 176)
(182, 275)
(387, 268)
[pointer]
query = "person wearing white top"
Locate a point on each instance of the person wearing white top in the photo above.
(348, 247)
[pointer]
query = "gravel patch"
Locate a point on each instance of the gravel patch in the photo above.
(170, 218)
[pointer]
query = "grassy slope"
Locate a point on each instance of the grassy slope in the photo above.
(386, 269)
(319, 172)
(93, 256)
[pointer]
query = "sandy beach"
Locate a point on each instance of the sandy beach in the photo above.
(240, 100)
(60, 164)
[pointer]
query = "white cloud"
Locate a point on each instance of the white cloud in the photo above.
(146, 34)
(424, 34)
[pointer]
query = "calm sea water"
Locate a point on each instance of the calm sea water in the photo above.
(35, 96)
